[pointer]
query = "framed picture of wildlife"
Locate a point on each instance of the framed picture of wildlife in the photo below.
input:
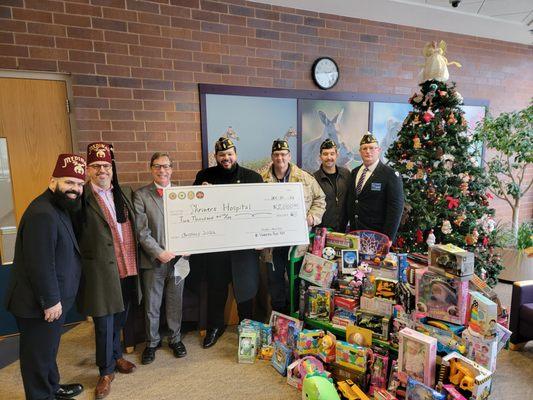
(344, 122)
(253, 117)
(252, 122)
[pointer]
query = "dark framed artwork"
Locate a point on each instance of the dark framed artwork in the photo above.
(254, 117)
(252, 122)
(345, 122)
(387, 119)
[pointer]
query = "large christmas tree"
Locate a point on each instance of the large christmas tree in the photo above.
(446, 190)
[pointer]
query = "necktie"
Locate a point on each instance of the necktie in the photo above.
(361, 181)
(159, 192)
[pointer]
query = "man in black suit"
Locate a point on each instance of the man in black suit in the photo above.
(239, 267)
(45, 279)
(376, 192)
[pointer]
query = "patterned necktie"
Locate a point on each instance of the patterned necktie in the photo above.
(361, 181)
(159, 192)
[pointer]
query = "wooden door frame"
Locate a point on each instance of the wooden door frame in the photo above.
(51, 76)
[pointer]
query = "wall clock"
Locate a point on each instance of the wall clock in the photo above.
(325, 72)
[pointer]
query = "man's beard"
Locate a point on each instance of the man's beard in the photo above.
(66, 203)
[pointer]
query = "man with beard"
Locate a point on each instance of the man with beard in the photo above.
(282, 170)
(334, 181)
(108, 246)
(45, 278)
(241, 267)
(375, 199)
(157, 263)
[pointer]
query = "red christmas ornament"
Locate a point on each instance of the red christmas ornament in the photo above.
(428, 116)
(400, 241)
(419, 236)
(485, 241)
(452, 202)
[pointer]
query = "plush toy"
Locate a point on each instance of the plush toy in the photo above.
(317, 387)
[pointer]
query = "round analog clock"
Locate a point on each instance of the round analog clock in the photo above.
(325, 72)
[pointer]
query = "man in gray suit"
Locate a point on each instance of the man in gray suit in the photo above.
(157, 263)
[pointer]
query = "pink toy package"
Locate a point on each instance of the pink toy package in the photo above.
(417, 357)
(319, 241)
(441, 297)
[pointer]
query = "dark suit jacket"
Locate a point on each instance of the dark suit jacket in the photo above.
(100, 291)
(47, 262)
(379, 206)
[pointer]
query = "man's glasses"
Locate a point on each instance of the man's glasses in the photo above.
(161, 166)
(106, 167)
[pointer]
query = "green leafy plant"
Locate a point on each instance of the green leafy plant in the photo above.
(510, 135)
(524, 238)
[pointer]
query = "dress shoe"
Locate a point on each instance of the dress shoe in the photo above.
(148, 355)
(178, 349)
(124, 366)
(69, 391)
(211, 336)
(103, 387)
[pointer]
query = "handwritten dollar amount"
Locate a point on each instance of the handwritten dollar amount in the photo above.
(285, 206)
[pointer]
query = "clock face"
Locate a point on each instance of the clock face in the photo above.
(325, 73)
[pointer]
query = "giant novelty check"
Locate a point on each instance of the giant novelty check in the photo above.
(213, 218)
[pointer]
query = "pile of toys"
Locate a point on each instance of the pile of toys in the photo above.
(375, 324)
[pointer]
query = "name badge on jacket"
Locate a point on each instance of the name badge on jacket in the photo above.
(375, 187)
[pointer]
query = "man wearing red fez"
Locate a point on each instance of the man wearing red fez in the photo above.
(45, 278)
(108, 246)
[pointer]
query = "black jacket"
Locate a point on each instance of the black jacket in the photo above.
(379, 206)
(244, 263)
(336, 216)
(47, 264)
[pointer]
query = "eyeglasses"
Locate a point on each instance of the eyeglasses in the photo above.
(106, 167)
(161, 166)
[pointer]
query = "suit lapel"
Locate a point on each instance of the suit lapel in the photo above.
(156, 198)
(91, 201)
(68, 224)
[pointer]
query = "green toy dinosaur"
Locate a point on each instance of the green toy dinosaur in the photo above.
(317, 387)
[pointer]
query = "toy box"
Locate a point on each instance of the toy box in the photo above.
(342, 241)
(451, 259)
(382, 394)
(377, 305)
(344, 302)
(483, 315)
(442, 298)
(265, 331)
(359, 336)
(417, 357)
(308, 341)
(385, 288)
(405, 294)
(418, 391)
(342, 318)
(319, 241)
(473, 380)
(318, 270)
(351, 355)
(481, 349)
(448, 336)
(319, 303)
(326, 347)
(281, 358)
(452, 392)
(284, 327)
(349, 261)
(403, 264)
(342, 373)
(247, 345)
(379, 372)
(378, 324)
(293, 374)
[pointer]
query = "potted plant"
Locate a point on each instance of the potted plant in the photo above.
(509, 139)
